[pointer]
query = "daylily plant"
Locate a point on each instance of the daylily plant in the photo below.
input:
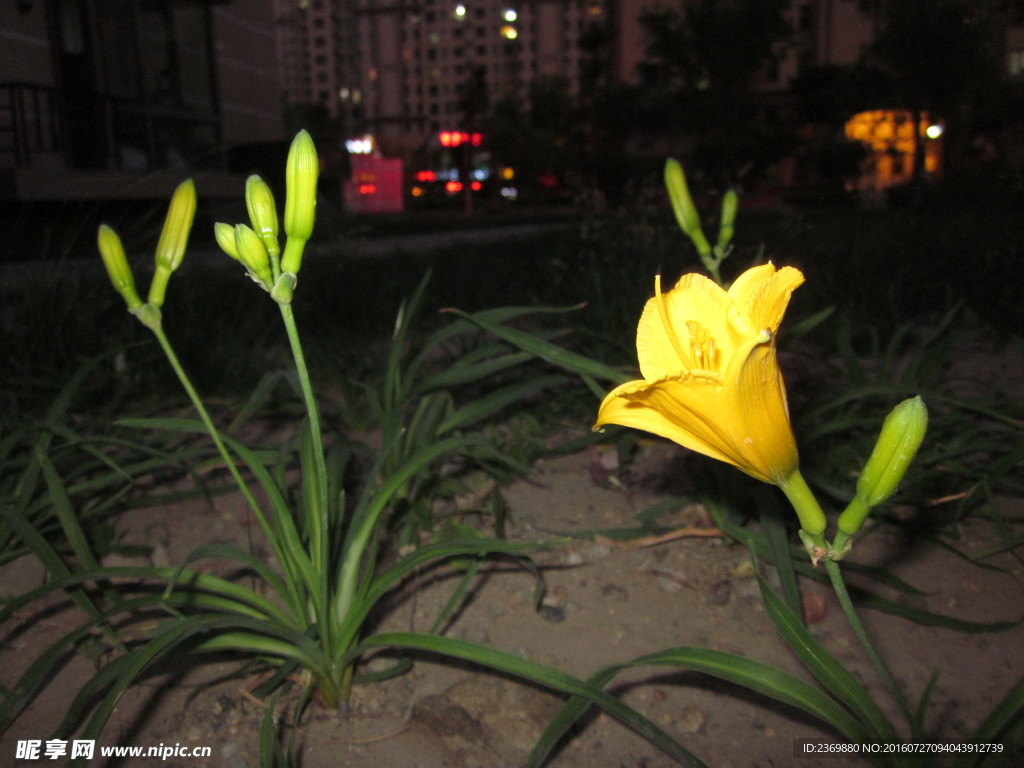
(711, 379)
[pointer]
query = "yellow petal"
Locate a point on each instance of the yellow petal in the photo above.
(671, 409)
(663, 339)
(757, 414)
(711, 377)
(696, 297)
(761, 295)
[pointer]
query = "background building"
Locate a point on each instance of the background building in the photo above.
(97, 97)
(405, 70)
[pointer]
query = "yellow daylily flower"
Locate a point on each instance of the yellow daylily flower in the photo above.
(711, 380)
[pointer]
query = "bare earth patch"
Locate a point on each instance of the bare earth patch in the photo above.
(604, 603)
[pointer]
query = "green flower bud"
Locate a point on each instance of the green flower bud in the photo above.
(683, 207)
(224, 234)
(301, 174)
(253, 254)
(170, 250)
(177, 226)
(259, 200)
(901, 436)
(730, 205)
(114, 259)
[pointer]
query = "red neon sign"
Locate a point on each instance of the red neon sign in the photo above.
(458, 138)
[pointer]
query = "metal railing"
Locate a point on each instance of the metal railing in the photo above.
(127, 134)
(29, 121)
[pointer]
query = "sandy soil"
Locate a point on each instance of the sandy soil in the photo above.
(605, 603)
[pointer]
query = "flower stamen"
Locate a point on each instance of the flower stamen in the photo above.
(702, 345)
(666, 321)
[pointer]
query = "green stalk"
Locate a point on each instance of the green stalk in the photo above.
(809, 513)
(316, 508)
(843, 540)
(846, 603)
(229, 460)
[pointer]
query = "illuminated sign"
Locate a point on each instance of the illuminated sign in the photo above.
(362, 145)
(458, 138)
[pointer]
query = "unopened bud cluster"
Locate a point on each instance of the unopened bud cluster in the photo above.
(686, 215)
(170, 251)
(258, 247)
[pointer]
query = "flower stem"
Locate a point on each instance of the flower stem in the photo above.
(204, 416)
(841, 545)
(809, 513)
(836, 576)
(317, 505)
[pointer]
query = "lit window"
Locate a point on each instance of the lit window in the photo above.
(509, 32)
(460, 11)
(511, 15)
(1015, 62)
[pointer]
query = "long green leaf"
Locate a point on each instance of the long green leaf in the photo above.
(551, 353)
(540, 674)
(419, 557)
(371, 505)
(460, 373)
(283, 536)
(249, 560)
(53, 563)
(494, 402)
(758, 545)
(65, 512)
(1006, 715)
(497, 316)
(774, 528)
(40, 673)
(752, 675)
(828, 671)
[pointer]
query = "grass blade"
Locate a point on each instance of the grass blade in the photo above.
(825, 668)
(545, 676)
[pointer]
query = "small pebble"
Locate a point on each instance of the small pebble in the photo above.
(815, 607)
(614, 592)
(666, 584)
(555, 614)
(720, 592)
(691, 720)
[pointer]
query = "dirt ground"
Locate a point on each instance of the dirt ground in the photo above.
(605, 603)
